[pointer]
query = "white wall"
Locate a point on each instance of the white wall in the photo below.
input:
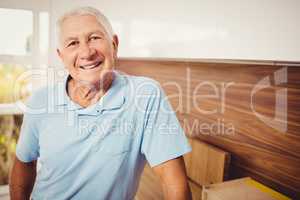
(226, 29)
(39, 5)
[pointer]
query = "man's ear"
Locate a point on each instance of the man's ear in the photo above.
(115, 45)
(59, 53)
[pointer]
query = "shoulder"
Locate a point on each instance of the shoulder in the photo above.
(143, 85)
(38, 101)
(38, 97)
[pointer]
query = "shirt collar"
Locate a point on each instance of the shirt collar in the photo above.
(114, 98)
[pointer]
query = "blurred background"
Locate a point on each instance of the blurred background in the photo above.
(24, 40)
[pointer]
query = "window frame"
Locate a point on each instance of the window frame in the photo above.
(36, 58)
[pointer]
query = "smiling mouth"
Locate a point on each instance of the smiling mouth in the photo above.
(88, 67)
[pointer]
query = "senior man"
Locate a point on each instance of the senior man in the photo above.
(101, 129)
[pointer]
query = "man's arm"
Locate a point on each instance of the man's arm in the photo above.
(22, 179)
(173, 179)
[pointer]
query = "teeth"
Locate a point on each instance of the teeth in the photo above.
(90, 66)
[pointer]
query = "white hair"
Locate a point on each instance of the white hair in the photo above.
(100, 17)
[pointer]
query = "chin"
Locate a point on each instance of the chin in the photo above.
(103, 79)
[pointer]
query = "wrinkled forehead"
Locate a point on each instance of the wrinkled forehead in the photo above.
(80, 25)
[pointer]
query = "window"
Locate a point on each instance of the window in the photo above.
(17, 32)
(24, 40)
(24, 45)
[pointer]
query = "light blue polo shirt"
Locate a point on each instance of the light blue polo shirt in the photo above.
(98, 152)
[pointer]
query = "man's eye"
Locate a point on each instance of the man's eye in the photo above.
(72, 43)
(95, 38)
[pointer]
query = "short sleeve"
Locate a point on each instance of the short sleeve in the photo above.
(28, 145)
(163, 138)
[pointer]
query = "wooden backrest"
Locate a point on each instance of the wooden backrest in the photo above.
(206, 164)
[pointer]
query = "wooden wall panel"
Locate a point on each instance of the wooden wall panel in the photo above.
(258, 150)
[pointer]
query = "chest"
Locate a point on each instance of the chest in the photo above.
(72, 134)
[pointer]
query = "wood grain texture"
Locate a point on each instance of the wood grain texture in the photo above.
(196, 190)
(265, 153)
(150, 188)
(206, 164)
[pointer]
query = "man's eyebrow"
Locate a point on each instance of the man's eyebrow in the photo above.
(69, 39)
(96, 32)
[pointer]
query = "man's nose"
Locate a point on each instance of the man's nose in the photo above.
(85, 51)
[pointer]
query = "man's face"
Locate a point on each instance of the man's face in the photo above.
(86, 49)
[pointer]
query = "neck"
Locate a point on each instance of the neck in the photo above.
(86, 94)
